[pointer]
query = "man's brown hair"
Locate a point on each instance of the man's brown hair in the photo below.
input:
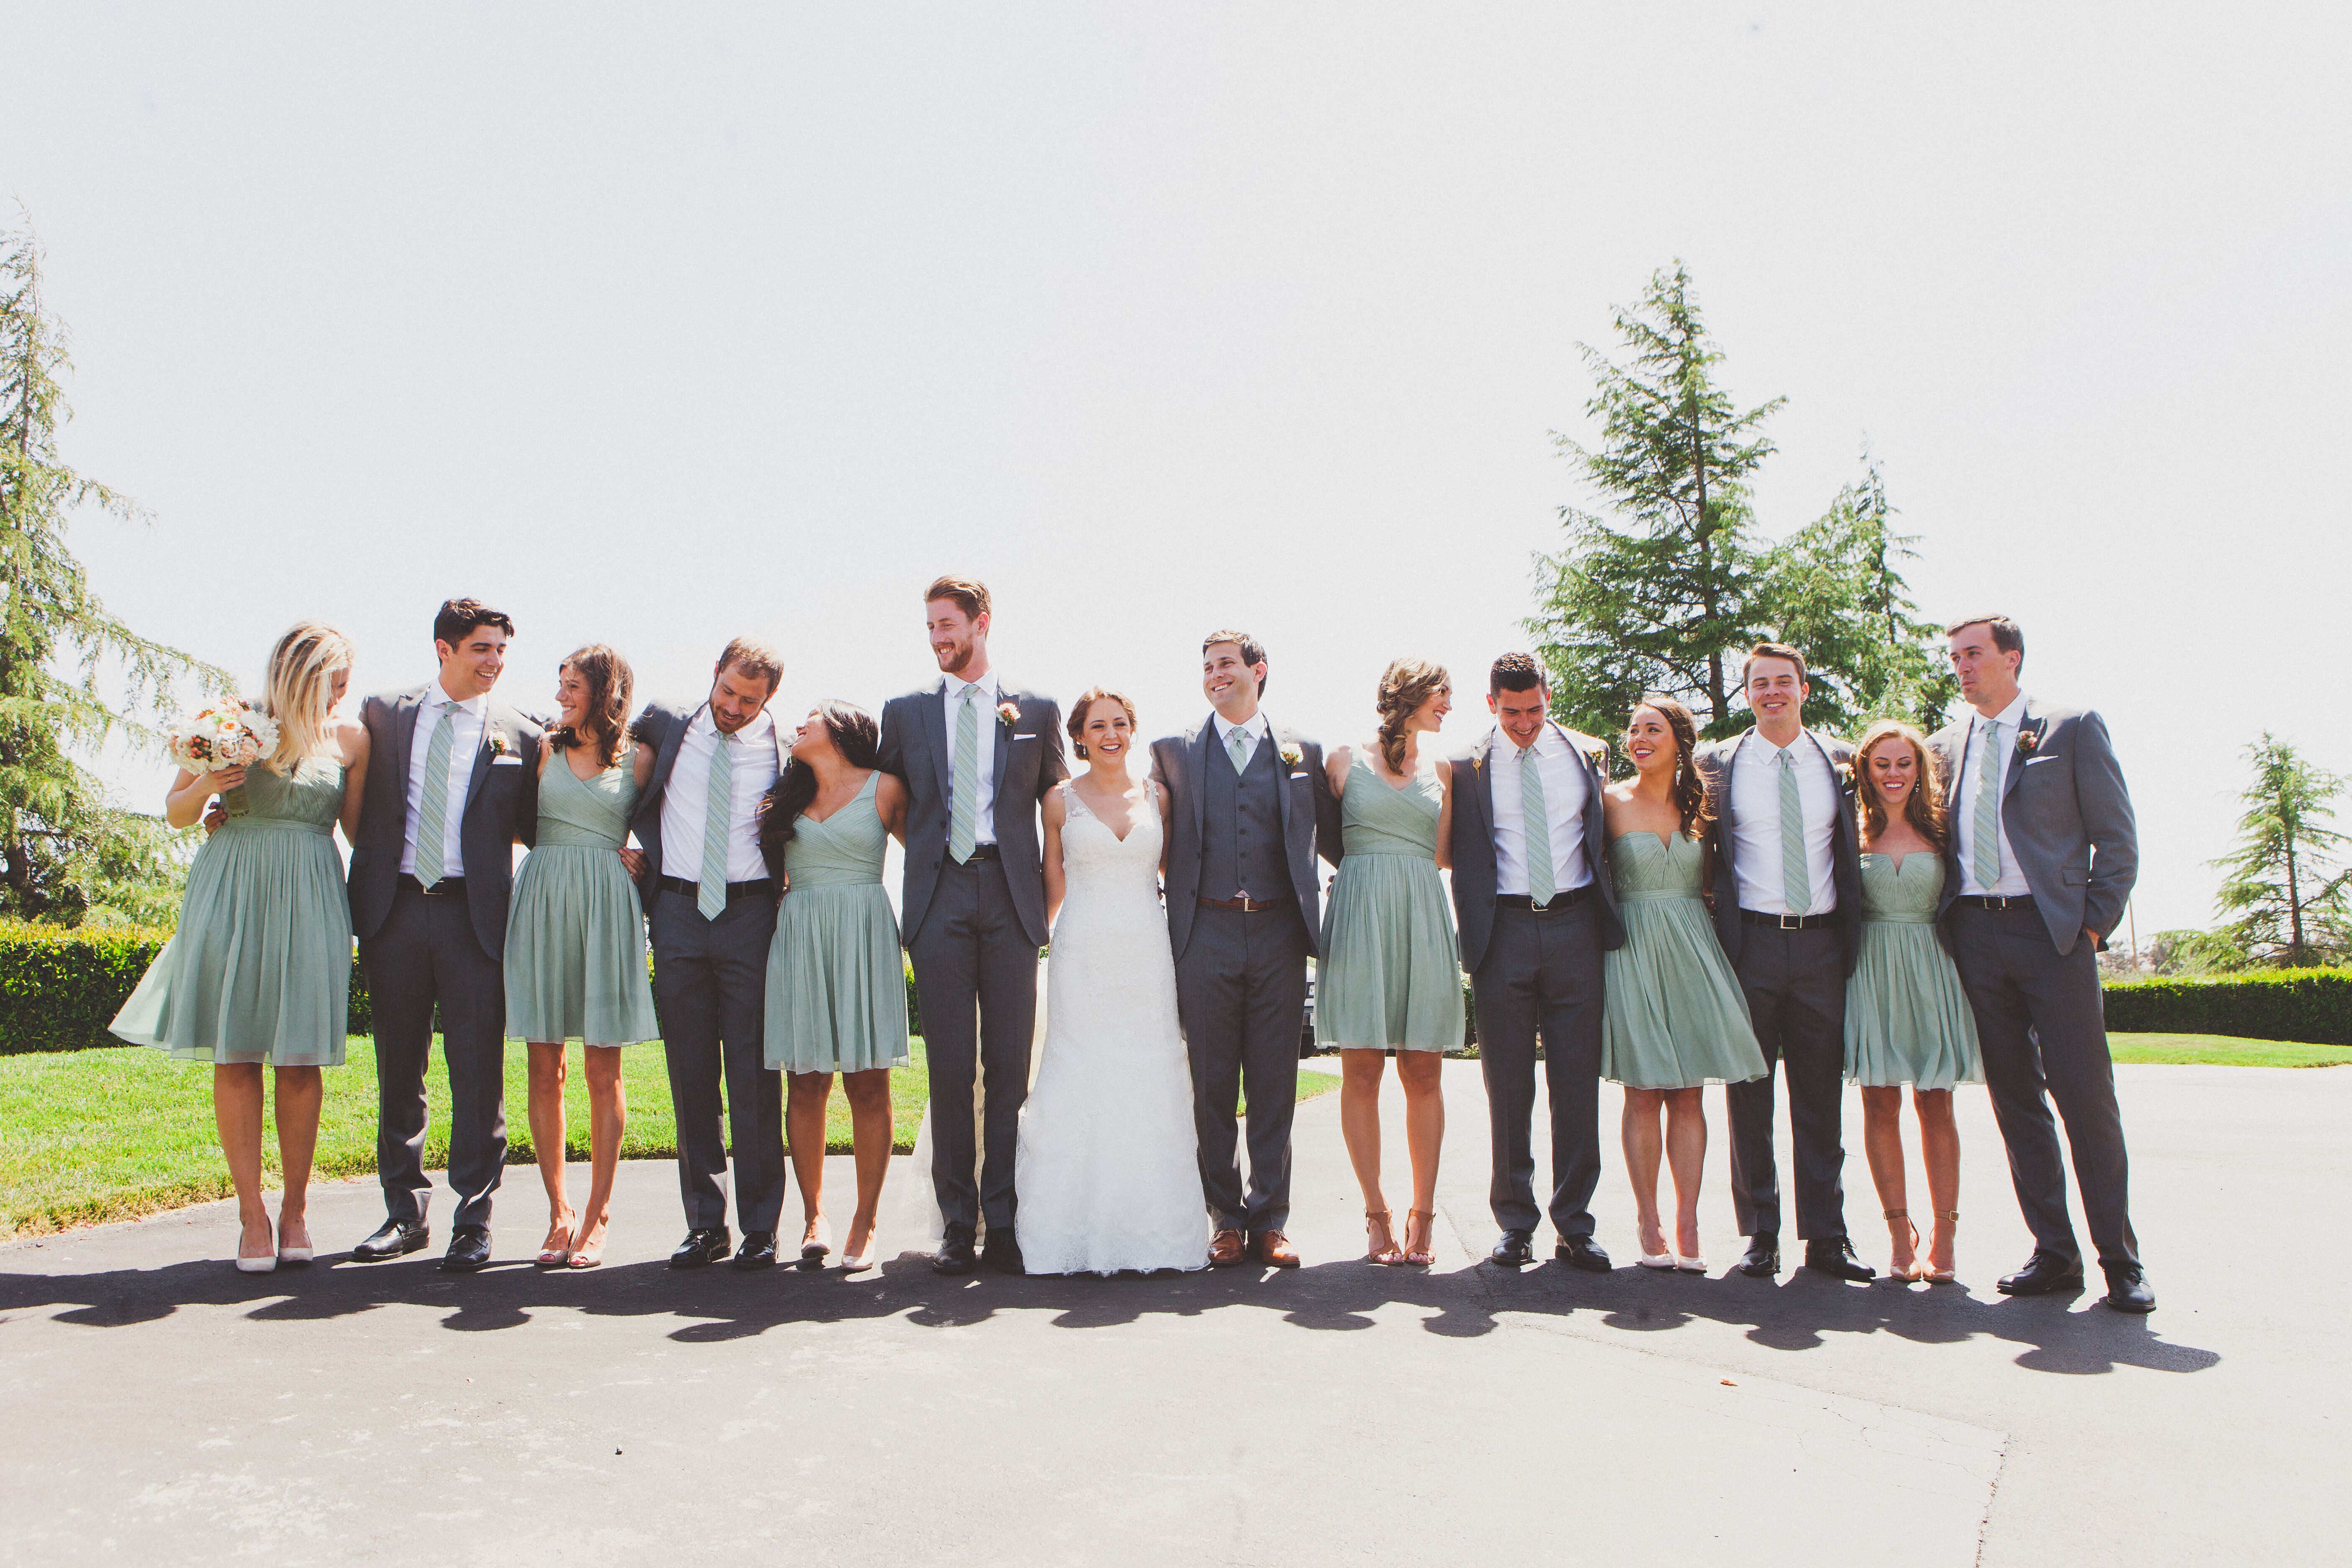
(1774, 650)
(2008, 637)
(755, 658)
(1516, 672)
(967, 594)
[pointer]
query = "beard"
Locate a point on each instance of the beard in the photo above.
(955, 658)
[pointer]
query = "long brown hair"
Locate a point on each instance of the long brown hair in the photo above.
(1689, 793)
(1925, 810)
(610, 684)
(855, 735)
(1405, 685)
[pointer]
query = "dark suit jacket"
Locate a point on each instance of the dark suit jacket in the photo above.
(1714, 761)
(1474, 871)
(2068, 816)
(502, 811)
(1310, 822)
(663, 726)
(1028, 763)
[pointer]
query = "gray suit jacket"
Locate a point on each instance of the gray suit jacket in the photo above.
(1310, 823)
(502, 811)
(2067, 814)
(1028, 763)
(663, 726)
(1714, 760)
(1474, 872)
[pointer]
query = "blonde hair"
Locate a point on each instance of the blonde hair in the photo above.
(301, 689)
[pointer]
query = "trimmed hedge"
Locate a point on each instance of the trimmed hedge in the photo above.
(60, 986)
(2309, 1006)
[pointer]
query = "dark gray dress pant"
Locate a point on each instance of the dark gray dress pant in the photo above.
(1241, 996)
(2042, 1025)
(976, 979)
(711, 981)
(1795, 985)
(427, 953)
(1541, 975)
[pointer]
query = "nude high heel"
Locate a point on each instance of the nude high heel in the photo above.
(1389, 1254)
(1942, 1276)
(1420, 1256)
(1914, 1271)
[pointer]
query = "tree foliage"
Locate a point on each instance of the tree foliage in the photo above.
(1668, 588)
(2284, 900)
(71, 675)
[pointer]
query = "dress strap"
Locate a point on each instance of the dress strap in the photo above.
(1073, 801)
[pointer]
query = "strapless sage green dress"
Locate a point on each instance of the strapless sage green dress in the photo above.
(837, 985)
(1672, 1013)
(575, 964)
(1390, 977)
(1906, 1019)
(260, 968)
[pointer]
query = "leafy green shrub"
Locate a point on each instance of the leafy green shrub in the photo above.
(61, 987)
(2310, 1007)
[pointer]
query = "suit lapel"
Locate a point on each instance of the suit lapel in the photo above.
(1003, 741)
(404, 731)
(1281, 775)
(2028, 723)
(1481, 768)
(935, 731)
(1197, 755)
(483, 753)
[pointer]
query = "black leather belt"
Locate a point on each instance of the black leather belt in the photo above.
(981, 852)
(1995, 901)
(1785, 922)
(447, 886)
(763, 886)
(1247, 906)
(1560, 901)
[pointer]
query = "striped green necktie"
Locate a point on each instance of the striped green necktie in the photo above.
(1796, 874)
(1984, 847)
(963, 827)
(433, 810)
(718, 816)
(1536, 827)
(1237, 748)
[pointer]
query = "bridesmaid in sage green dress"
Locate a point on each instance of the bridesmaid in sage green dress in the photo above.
(1390, 977)
(837, 985)
(259, 971)
(1906, 1019)
(1673, 1015)
(575, 958)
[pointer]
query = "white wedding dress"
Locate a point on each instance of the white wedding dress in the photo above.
(1108, 1170)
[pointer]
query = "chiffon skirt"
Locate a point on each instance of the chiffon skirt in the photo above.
(1390, 977)
(575, 964)
(1906, 1019)
(837, 985)
(1672, 1013)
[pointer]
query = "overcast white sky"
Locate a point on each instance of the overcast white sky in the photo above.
(659, 326)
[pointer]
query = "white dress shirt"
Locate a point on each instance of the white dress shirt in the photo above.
(1565, 797)
(686, 798)
(1253, 729)
(2001, 733)
(1756, 822)
(465, 745)
(983, 822)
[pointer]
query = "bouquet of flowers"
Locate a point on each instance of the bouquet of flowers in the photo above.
(226, 733)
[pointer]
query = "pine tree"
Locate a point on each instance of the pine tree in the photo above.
(2283, 898)
(67, 853)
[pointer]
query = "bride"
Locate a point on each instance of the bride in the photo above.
(1107, 1169)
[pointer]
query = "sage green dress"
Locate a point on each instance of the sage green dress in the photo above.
(837, 985)
(1672, 1013)
(1389, 976)
(575, 964)
(259, 967)
(1906, 1019)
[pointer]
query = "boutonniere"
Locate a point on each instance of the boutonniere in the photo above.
(2027, 740)
(1846, 776)
(498, 744)
(1292, 755)
(1008, 713)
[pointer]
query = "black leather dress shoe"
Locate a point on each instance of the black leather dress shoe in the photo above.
(954, 1256)
(2043, 1273)
(394, 1238)
(470, 1249)
(1513, 1249)
(701, 1249)
(1003, 1252)
(1762, 1259)
(2127, 1289)
(1834, 1256)
(1582, 1252)
(758, 1251)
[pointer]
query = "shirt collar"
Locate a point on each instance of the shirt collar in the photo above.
(986, 683)
(435, 697)
(758, 726)
(1253, 725)
(1758, 736)
(1549, 742)
(2013, 715)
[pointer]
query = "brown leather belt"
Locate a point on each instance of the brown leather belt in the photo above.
(1246, 906)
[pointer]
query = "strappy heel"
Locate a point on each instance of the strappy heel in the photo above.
(1943, 1276)
(1389, 1254)
(1913, 1271)
(1420, 1256)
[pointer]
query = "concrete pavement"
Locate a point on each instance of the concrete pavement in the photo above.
(163, 1405)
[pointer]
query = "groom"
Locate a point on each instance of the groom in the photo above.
(1249, 804)
(976, 756)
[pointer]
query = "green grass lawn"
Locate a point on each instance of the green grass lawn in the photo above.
(2222, 1050)
(87, 1136)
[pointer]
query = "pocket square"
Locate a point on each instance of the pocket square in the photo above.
(505, 761)
(1024, 737)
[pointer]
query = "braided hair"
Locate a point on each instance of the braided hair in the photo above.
(1405, 685)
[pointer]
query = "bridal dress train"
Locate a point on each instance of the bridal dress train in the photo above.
(1108, 1170)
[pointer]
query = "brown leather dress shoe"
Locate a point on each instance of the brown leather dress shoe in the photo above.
(1275, 1251)
(1226, 1250)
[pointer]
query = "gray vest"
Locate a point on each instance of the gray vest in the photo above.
(1242, 826)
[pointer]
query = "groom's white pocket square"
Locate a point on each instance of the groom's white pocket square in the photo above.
(505, 761)
(1024, 737)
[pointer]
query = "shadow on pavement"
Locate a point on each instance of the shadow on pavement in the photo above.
(1794, 1313)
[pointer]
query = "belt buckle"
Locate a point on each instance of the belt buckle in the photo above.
(1793, 923)
(1542, 909)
